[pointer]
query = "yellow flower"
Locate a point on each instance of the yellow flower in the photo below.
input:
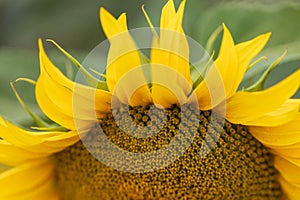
(255, 156)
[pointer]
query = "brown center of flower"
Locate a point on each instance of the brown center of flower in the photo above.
(237, 167)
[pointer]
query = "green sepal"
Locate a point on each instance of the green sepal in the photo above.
(145, 62)
(92, 81)
(38, 120)
(197, 76)
(198, 80)
(212, 39)
(256, 61)
(69, 70)
(98, 73)
(143, 58)
(149, 22)
(52, 127)
(260, 83)
(42, 125)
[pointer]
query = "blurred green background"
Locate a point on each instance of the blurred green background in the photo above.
(75, 25)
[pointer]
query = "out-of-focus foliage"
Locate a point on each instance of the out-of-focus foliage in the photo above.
(15, 63)
(75, 23)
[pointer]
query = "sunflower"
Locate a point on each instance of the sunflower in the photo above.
(220, 140)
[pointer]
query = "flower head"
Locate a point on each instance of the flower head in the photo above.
(152, 129)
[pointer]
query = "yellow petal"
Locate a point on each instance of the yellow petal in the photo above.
(44, 191)
(291, 151)
(211, 91)
(170, 50)
(227, 63)
(292, 191)
(12, 155)
(247, 106)
(50, 108)
(31, 181)
(110, 25)
(38, 142)
(167, 14)
(283, 135)
(60, 142)
(289, 171)
(167, 91)
(246, 51)
(81, 103)
(231, 64)
(170, 19)
(58, 96)
(233, 60)
(295, 161)
(285, 113)
(123, 57)
(17, 136)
